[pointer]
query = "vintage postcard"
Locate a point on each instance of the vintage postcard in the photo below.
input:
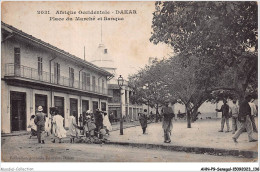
(121, 81)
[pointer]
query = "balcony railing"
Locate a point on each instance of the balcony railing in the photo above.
(31, 73)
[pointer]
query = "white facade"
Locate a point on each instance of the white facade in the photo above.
(30, 77)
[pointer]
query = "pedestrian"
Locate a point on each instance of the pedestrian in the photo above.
(143, 120)
(33, 127)
(48, 125)
(39, 120)
(60, 132)
(80, 120)
(168, 115)
(225, 116)
(111, 117)
(106, 123)
(253, 114)
(72, 127)
(157, 115)
(99, 123)
(234, 112)
(244, 119)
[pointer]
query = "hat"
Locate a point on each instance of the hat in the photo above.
(88, 111)
(40, 108)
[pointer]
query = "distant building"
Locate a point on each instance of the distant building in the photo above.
(36, 73)
(103, 59)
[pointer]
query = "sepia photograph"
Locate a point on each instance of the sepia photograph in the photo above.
(121, 81)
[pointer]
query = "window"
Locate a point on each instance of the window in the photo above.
(93, 83)
(103, 86)
(39, 66)
(105, 51)
(17, 61)
(88, 79)
(84, 81)
(71, 76)
(56, 73)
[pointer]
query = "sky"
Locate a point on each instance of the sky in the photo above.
(127, 41)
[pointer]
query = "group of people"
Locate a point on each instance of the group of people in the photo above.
(42, 125)
(242, 118)
(90, 125)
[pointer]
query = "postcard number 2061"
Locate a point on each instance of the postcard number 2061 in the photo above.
(43, 12)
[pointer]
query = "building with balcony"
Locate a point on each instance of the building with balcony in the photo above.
(130, 111)
(36, 73)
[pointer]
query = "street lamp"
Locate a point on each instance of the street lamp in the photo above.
(145, 87)
(120, 84)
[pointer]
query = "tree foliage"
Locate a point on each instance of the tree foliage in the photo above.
(221, 35)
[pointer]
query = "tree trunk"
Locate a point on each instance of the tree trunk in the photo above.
(188, 116)
(157, 112)
(194, 114)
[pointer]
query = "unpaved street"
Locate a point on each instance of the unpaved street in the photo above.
(20, 148)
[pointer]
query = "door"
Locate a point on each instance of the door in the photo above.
(59, 104)
(103, 106)
(18, 111)
(17, 62)
(85, 105)
(95, 106)
(41, 100)
(74, 108)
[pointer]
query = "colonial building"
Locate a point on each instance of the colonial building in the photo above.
(103, 59)
(36, 73)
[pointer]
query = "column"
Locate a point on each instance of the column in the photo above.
(123, 101)
(127, 103)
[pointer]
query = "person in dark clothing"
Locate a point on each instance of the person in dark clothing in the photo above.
(168, 115)
(39, 120)
(225, 115)
(98, 122)
(244, 119)
(143, 120)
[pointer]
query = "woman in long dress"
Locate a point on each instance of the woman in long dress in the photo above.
(107, 123)
(72, 128)
(60, 132)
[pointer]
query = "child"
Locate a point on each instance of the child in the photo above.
(106, 123)
(32, 126)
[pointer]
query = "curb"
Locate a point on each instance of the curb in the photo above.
(197, 150)
(14, 134)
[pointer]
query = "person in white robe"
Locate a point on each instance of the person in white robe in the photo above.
(60, 132)
(48, 125)
(72, 127)
(107, 123)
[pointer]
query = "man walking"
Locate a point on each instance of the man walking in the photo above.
(143, 120)
(167, 114)
(234, 112)
(225, 115)
(99, 123)
(244, 119)
(39, 120)
(253, 114)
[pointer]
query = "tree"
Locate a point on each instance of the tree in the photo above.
(148, 88)
(220, 35)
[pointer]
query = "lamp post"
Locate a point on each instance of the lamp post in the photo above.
(120, 84)
(145, 87)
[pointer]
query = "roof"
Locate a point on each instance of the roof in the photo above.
(16, 31)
